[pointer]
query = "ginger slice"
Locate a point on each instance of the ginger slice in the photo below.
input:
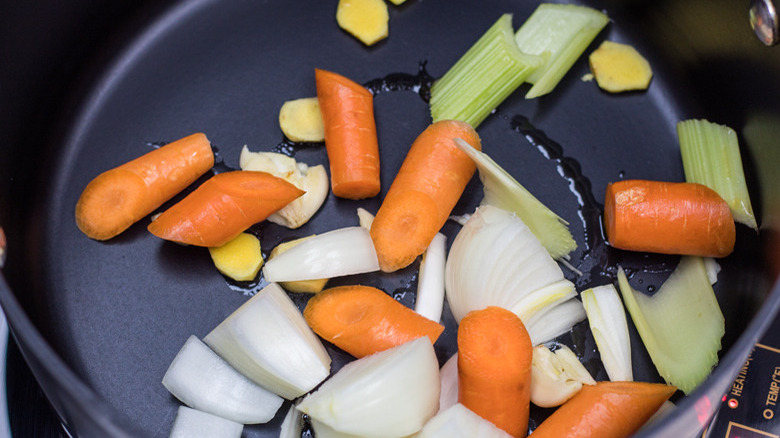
(367, 20)
(619, 67)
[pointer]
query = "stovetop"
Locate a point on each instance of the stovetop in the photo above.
(748, 410)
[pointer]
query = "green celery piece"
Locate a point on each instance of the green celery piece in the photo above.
(503, 191)
(681, 325)
(560, 33)
(710, 154)
(483, 77)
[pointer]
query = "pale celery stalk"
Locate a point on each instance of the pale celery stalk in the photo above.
(710, 154)
(560, 33)
(681, 325)
(483, 77)
(503, 191)
(607, 321)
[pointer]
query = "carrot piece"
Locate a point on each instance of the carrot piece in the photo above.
(668, 218)
(605, 410)
(122, 196)
(350, 135)
(425, 190)
(494, 368)
(223, 207)
(363, 320)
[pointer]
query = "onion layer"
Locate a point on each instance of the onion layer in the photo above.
(387, 394)
(460, 422)
(191, 423)
(267, 340)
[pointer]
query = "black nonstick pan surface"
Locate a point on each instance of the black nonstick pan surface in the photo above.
(115, 313)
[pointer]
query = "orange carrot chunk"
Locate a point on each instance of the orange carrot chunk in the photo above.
(425, 190)
(363, 320)
(122, 196)
(223, 207)
(494, 368)
(350, 135)
(605, 410)
(668, 218)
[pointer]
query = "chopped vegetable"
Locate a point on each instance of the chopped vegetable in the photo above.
(483, 77)
(239, 259)
(190, 422)
(534, 304)
(460, 422)
(388, 394)
(619, 67)
(605, 410)
(681, 325)
(495, 260)
(204, 381)
(363, 320)
(449, 383)
(301, 286)
(365, 218)
(267, 340)
(424, 192)
(560, 33)
(223, 207)
(311, 179)
(292, 423)
(668, 218)
(122, 196)
(366, 20)
(555, 320)
(345, 251)
(607, 321)
(301, 120)
(503, 191)
(710, 155)
(494, 368)
(556, 376)
(430, 283)
(350, 135)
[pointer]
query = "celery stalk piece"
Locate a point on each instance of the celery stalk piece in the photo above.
(681, 325)
(710, 154)
(483, 77)
(503, 191)
(559, 33)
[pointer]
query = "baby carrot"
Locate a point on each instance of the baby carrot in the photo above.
(363, 320)
(605, 410)
(120, 197)
(423, 194)
(350, 135)
(223, 207)
(668, 218)
(494, 368)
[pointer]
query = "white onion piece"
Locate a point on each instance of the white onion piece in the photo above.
(460, 422)
(495, 260)
(607, 321)
(449, 383)
(532, 305)
(340, 252)
(267, 340)
(291, 425)
(430, 285)
(365, 218)
(388, 394)
(193, 423)
(556, 321)
(202, 380)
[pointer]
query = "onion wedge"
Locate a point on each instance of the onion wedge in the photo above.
(267, 340)
(607, 321)
(460, 422)
(190, 423)
(496, 260)
(203, 381)
(430, 285)
(345, 251)
(555, 321)
(449, 383)
(392, 393)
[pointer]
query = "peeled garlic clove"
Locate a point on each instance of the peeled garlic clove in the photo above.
(556, 376)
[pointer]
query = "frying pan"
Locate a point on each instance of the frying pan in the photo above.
(87, 86)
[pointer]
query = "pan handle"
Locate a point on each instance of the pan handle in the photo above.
(764, 21)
